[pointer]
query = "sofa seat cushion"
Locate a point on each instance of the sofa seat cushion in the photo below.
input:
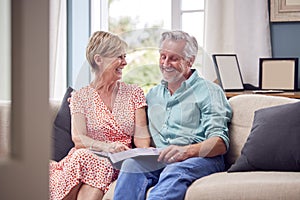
(109, 195)
(249, 185)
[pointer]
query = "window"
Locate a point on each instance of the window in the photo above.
(139, 22)
(5, 79)
(188, 15)
(141, 28)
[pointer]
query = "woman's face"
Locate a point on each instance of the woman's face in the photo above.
(113, 66)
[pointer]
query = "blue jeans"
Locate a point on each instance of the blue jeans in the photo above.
(170, 181)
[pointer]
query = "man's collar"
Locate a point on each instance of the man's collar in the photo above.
(187, 81)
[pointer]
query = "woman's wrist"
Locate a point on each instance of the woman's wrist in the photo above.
(92, 144)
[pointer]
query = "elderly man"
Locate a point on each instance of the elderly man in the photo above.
(188, 119)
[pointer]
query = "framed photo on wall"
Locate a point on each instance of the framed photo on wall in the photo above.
(228, 72)
(285, 10)
(278, 74)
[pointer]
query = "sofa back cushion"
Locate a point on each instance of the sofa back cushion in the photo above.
(4, 127)
(5, 113)
(243, 107)
(61, 135)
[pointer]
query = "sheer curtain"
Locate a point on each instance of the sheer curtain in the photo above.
(58, 52)
(240, 27)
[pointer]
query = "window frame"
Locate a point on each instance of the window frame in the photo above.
(92, 23)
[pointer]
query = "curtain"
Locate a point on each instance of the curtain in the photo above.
(238, 27)
(58, 52)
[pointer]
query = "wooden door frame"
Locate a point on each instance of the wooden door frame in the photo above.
(24, 175)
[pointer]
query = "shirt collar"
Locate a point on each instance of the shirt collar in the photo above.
(189, 81)
(164, 83)
(192, 78)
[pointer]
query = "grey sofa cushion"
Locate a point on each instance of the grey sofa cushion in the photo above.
(61, 136)
(243, 107)
(274, 141)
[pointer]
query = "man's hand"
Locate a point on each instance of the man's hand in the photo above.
(174, 153)
(211, 147)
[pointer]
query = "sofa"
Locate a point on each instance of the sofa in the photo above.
(269, 183)
(254, 185)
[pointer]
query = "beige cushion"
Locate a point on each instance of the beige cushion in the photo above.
(110, 193)
(243, 113)
(5, 108)
(4, 127)
(249, 185)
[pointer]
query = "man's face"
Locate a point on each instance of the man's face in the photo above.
(172, 64)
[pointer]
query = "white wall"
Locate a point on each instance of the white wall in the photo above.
(5, 50)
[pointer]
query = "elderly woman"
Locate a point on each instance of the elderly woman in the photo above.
(106, 114)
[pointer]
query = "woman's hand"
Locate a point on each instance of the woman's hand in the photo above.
(115, 147)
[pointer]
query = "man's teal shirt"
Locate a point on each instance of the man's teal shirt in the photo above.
(197, 111)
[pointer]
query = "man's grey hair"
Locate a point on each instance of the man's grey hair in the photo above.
(191, 47)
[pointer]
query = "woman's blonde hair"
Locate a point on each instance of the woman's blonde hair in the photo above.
(106, 45)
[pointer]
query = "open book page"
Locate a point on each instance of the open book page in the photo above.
(120, 156)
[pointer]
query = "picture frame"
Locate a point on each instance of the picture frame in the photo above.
(285, 10)
(278, 74)
(228, 72)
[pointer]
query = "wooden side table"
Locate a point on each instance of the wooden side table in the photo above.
(295, 95)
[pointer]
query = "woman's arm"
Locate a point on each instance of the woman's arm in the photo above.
(81, 140)
(141, 135)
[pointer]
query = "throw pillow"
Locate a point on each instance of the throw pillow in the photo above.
(61, 135)
(274, 141)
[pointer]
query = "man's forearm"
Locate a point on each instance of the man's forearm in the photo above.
(211, 147)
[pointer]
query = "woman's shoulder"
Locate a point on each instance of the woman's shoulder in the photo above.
(83, 92)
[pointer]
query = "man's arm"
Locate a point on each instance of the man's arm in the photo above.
(211, 147)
